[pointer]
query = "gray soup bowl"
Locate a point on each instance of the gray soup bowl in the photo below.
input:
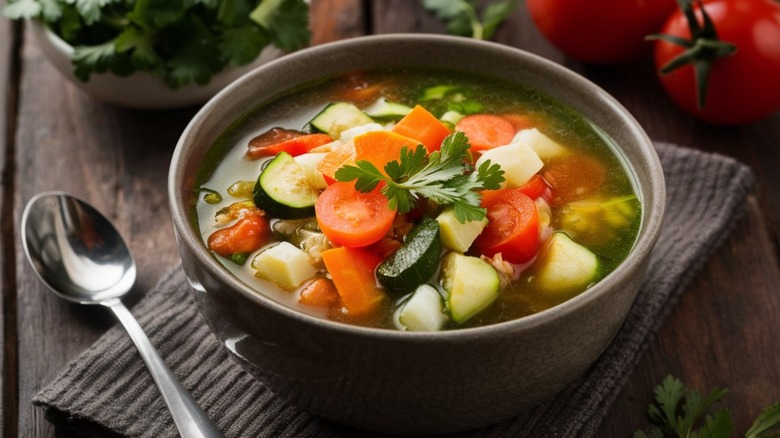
(402, 382)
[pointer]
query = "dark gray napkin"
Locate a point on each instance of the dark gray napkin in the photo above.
(107, 389)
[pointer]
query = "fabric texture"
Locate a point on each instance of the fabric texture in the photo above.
(107, 390)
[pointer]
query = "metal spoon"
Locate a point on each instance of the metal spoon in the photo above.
(81, 257)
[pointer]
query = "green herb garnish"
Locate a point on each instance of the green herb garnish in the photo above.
(463, 18)
(181, 41)
(444, 177)
(677, 410)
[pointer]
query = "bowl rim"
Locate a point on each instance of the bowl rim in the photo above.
(646, 238)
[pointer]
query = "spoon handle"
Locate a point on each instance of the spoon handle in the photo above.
(190, 419)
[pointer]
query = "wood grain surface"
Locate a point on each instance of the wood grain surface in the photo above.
(720, 333)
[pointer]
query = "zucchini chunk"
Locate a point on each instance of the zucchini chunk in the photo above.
(339, 116)
(283, 189)
(422, 312)
(382, 109)
(458, 236)
(566, 265)
(415, 261)
(471, 283)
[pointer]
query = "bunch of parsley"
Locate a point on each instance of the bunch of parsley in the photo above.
(681, 412)
(181, 41)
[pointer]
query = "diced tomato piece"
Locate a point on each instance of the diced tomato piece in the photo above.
(320, 293)
(284, 140)
(535, 188)
(245, 236)
(574, 177)
(513, 227)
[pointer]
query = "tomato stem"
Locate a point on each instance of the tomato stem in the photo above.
(701, 50)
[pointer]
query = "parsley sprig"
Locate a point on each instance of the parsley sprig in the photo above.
(444, 177)
(677, 410)
(181, 41)
(463, 17)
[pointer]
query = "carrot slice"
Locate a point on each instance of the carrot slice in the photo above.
(486, 131)
(424, 127)
(381, 147)
(320, 293)
(352, 270)
(335, 159)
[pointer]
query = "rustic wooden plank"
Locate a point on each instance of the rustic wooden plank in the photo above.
(400, 16)
(116, 158)
(8, 39)
(333, 20)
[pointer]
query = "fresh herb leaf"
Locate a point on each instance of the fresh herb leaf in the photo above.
(90, 9)
(139, 45)
(93, 59)
(442, 176)
(181, 41)
(23, 9)
(242, 45)
(678, 410)
(767, 424)
(463, 18)
(287, 21)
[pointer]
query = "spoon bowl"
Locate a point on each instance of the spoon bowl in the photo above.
(80, 256)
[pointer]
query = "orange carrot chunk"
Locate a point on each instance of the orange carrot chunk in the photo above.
(486, 131)
(424, 127)
(352, 270)
(335, 159)
(381, 147)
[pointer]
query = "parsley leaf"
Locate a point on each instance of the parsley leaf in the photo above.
(441, 176)
(678, 410)
(89, 59)
(767, 424)
(23, 9)
(287, 21)
(242, 45)
(462, 17)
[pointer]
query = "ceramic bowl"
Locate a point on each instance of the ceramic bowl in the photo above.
(403, 382)
(140, 90)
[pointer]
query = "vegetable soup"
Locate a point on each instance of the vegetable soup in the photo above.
(417, 200)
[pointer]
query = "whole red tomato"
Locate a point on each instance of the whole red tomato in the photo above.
(742, 87)
(600, 31)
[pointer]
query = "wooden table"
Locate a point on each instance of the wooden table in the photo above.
(721, 333)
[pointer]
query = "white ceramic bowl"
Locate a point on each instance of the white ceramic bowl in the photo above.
(141, 90)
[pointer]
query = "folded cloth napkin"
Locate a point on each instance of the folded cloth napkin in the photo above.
(108, 391)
